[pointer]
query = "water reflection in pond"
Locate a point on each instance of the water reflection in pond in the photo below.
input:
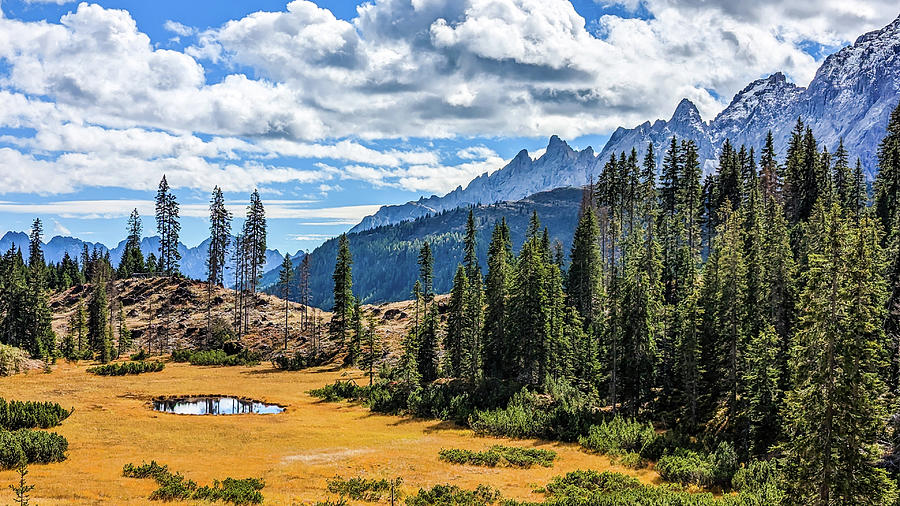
(214, 406)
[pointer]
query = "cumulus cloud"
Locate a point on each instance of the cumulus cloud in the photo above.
(108, 108)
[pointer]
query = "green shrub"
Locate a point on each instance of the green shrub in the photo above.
(594, 488)
(361, 489)
(451, 495)
(686, 467)
(220, 358)
(16, 415)
(619, 435)
(181, 355)
(12, 360)
(36, 447)
(759, 483)
(140, 356)
(631, 460)
(124, 368)
(175, 487)
(340, 391)
(523, 417)
(299, 361)
(499, 455)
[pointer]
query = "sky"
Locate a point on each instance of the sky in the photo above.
(332, 109)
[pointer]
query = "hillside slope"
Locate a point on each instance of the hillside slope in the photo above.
(385, 258)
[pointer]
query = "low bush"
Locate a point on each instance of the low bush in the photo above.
(181, 355)
(219, 358)
(141, 355)
(32, 446)
(619, 435)
(340, 391)
(606, 488)
(631, 460)
(528, 415)
(300, 361)
(361, 489)
(686, 467)
(451, 495)
(12, 360)
(16, 415)
(124, 368)
(175, 487)
(499, 455)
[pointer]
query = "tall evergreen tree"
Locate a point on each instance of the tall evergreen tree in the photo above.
(497, 339)
(285, 276)
(219, 239)
(835, 410)
(132, 259)
(168, 229)
(887, 182)
(342, 310)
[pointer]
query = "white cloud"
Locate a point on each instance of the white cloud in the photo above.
(178, 28)
(110, 109)
(60, 229)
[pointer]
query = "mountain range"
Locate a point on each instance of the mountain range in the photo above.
(850, 97)
(192, 263)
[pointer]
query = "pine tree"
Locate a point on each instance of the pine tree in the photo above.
(427, 347)
(168, 229)
(762, 388)
(497, 340)
(35, 251)
(132, 259)
(408, 365)
(343, 292)
(770, 179)
(725, 298)
(305, 294)
(835, 411)
(254, 235)
(584, 284)
(219, 239)
(284, 279)
(371, 350)
(474, 301)
(98, 320)
(426, 273)
(887, 182)
(458, 318)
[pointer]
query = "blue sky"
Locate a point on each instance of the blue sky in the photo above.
(332, 109)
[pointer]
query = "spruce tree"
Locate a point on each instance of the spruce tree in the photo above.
(455, 339)
(168, 229)
(370, 350)
(835, 411)
(132, 259)
(284, 279)
(887, 182)
(762, 387)
(219, 239)
(427, 358)
(342, 309)
(497, 340)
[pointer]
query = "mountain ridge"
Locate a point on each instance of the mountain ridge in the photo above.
(850, 97)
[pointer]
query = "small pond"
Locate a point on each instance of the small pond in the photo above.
(214, 405)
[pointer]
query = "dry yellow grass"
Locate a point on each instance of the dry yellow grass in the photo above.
(294, 452)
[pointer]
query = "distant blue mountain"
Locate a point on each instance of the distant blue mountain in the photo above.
(193, 260)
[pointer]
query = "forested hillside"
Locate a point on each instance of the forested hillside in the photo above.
(385, 257)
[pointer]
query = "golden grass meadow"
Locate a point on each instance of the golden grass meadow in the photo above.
(295, 452)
